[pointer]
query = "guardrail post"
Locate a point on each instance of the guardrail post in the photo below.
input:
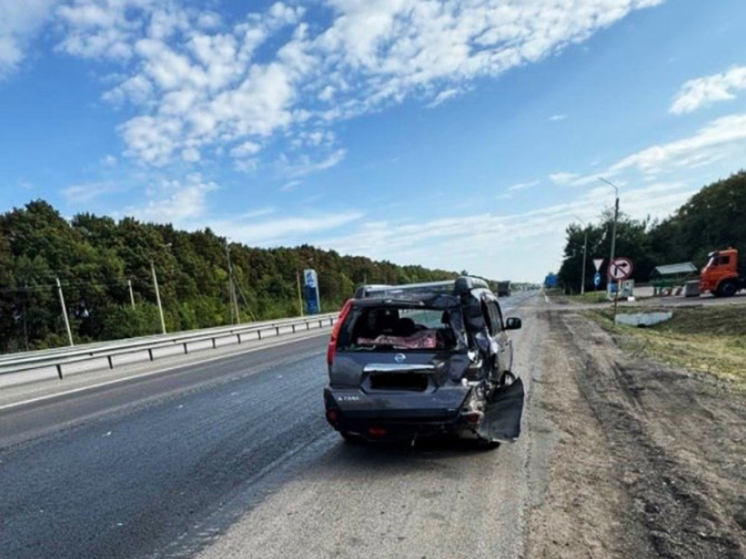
(238, 337)
(321, 323)
(259, 334)
(308, 325)
(213, 344)
(293, 325)
(278, 330)
(185, 349)
(111, 365)
(150, 353)
(59, 370)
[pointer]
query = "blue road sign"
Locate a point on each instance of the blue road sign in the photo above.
(597, 279)
(311, 288)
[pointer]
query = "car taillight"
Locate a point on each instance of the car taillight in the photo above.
(331, 349)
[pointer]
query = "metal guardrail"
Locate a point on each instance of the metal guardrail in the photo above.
(107, 355)
(93, 347)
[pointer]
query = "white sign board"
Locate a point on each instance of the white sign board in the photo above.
(597, 263)
(310, 278)
(620, 268)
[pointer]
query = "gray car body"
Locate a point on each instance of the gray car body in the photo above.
(459, 381)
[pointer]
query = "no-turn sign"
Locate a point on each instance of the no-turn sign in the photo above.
(620, 268)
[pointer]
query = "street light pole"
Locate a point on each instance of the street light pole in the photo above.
(585, 253)
(616, 218)
(232, 294)
(158, 297)
(64, 312)
(132, 295)
(300, 293)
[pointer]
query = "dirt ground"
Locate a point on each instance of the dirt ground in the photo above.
(647, 461)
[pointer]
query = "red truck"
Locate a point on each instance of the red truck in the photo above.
(722, 275)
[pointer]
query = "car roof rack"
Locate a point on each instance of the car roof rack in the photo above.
(459, 286)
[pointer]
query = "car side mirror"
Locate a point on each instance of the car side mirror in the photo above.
(513, 323)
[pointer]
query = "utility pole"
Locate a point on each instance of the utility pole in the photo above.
(585, 253)
(613, 235)
(132, 295)
(64, 312)
(300, 295)
(232, 293)
(158, 297)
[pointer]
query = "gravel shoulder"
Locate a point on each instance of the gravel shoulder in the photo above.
(649, 461)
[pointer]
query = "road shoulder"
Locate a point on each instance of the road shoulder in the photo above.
(649, 460)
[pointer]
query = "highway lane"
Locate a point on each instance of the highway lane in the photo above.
(166, 465)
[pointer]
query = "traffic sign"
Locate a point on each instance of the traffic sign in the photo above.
(597, 279)
(597, 263)
(620, 268)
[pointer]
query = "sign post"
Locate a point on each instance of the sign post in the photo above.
(619, 269)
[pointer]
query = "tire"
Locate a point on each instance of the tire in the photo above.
(485, 444)
(727, 289)
(351, 439)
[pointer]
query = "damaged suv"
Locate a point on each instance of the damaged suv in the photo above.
(423, 360)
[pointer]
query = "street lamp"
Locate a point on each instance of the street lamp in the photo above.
(616, 218)
(232, 286)
(157, 291)
(585, 253)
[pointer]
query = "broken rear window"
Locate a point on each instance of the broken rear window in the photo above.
(401, 328)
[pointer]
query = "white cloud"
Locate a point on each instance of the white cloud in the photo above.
(175, 201)
(196, 82)
(109, 160)
(290, 186)
(563, 178)
(556, 118)
(19, 22)
(444, 96)
(305, 165)
(447, 242)
(285, 230)
(522, 185)
(706, 90)
(82, 193)
(246, 148)
(702, 146)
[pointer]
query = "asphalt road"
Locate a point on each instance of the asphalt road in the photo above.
(234, 458)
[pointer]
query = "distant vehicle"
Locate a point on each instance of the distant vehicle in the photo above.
(424, 360)
(503, 289)
(722, 275)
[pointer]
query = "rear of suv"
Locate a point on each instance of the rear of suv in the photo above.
(424, 360)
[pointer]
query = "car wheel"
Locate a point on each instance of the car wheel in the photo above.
(727, 289)
(351, 439)
(486, 444)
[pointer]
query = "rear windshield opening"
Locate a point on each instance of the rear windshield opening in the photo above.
(389, 327)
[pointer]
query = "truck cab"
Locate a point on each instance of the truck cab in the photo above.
(721, 275)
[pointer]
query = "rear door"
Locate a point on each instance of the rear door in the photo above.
(502, 416)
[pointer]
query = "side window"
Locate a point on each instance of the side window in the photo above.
(723, 260)
(495, 317)
(487, 317)
(501, 322)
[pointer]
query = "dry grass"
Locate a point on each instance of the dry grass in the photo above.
(706, 339)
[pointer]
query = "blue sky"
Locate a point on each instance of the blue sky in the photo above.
(463, 134)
